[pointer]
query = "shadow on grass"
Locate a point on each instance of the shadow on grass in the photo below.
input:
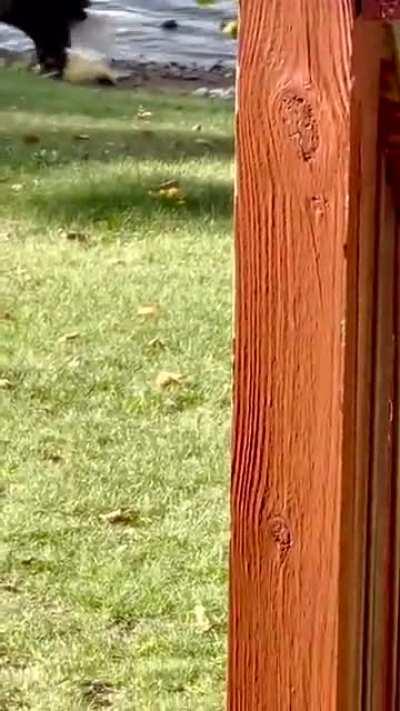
(121, 198)
(107, 144)
(95, 163)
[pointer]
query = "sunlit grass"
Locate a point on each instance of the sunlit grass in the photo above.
(96, 611)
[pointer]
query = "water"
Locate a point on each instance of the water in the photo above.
(138, 33)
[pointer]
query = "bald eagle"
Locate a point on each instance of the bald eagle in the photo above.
(50, 24)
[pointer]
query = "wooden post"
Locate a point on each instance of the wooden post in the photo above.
(305, 421)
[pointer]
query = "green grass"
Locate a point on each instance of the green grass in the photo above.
(94, 613)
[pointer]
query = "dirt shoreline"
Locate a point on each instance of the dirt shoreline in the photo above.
(139, 73)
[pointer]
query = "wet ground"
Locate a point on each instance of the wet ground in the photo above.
(139, 35)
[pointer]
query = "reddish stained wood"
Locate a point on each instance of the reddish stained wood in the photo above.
(368, 46)
(304, 283)
(383, 571)
(383, 591)
(381, 9)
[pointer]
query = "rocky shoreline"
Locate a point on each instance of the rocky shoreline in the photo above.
(217, 80)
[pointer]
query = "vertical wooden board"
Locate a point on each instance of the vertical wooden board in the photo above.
(297, 231)
(369, 44)
(396, 463)
(380, 601)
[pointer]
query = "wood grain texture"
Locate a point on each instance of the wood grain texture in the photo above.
(381, 9)
(369, 43)
(383, 562)
(381, 584)
(305, 207)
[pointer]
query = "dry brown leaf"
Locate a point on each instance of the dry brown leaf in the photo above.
(31, 138)
(74, 362)
(28, 561)
(172, 194)
(10, 587)
(149, 310)
(124, 517)
(169, 184)
(156, 343)
(166, 380)
(70, 337)
(53, 458)
(77, 237)
(6, 384)
(97, 693)
(169, 190)
(143, 115)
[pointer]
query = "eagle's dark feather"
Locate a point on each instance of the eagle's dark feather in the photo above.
(48, 23)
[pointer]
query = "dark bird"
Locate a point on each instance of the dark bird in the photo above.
(49, 24)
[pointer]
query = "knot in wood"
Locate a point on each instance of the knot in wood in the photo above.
(280, 534)
(300, 124)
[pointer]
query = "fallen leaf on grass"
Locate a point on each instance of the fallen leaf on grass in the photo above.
(28, 561)
(80, 237)
(69, 337)
(149, 310)
(166, 380)
(202, 621)
(169, 190)
(31, 138)
(35, 564)
(123, 517)
(143, 115)
(156, 343)
(96, 692)
(45, 410)
(6, 316)
(169, 184)
(53, 458)
(74, 362)
(7, 587)
(6, 384)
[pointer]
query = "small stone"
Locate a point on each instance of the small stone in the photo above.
(169, 25)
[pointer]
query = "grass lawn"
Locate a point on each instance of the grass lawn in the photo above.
(114, 475)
